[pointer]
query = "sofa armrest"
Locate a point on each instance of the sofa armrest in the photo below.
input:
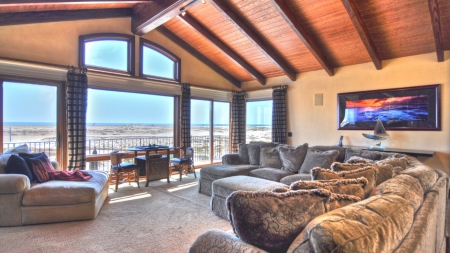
(219, 241)
(230, 159)
(13, 183)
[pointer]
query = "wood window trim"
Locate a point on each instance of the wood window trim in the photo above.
(130, 39)
(177, 61)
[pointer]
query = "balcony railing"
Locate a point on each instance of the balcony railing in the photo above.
(105, 146)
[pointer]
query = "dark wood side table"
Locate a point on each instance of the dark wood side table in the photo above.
(155, 168)
(411, 152)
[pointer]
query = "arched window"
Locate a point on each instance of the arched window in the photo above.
(107, 52)
(158, 63)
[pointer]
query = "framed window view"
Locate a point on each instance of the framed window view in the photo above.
(410, 108)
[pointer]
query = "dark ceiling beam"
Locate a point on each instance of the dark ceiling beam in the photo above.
(148, 16)
(19, 18)
(433, 5)
(363, 32)
(246, 28)
(195, 25)
(183, 44)
(40, 2)
(309, 42)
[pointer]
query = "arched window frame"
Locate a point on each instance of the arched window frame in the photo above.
(109, 36)
(163, 51)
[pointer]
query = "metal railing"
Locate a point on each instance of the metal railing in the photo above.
(105, 146)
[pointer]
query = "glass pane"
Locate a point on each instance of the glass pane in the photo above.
(259, 121)
(118, 120)
(221, 129)
(111, 54)
(200, 129)
(157, 64)
(29, 117)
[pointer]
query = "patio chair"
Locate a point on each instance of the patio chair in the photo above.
(183, 164)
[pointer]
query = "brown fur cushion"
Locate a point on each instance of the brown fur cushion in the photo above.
(370, 173)
(271, 221)
(353, 186)
(385, 169)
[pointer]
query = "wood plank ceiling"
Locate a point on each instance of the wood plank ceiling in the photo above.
(247, 40)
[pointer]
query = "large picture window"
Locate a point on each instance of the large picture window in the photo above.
(259, 121)
(158, 63)
(112, 53)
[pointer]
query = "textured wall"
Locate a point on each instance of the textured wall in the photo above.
(318, 125)
(57, 43)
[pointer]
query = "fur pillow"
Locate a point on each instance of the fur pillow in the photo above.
(355, 187)
(292, 157)
(370, 173)
(271, 221)
(385, 170)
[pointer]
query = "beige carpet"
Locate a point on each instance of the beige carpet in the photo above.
(160, 218)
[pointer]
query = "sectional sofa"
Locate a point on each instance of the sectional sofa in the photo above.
(403, 210)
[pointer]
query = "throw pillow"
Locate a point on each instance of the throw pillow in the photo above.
(370, 154)
(27, 157)
(243, 154)
(370, 173)
(292, 157)
(355, 187)
(19, 149)
(316, 158)
(385, 170)
(40, 166)
(17, 165)
(3, 161)
(271, 221)
(254, 150)
(270, 158)
(357, 159)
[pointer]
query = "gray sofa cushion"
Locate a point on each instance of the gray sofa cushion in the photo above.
(254, 150)
(243, 154)
(317, 158)
(292, 157)
(225, 186)
(220, 171)
(296, 177)
(271, 221)
(270, 157)
(341, 156)
(57, 192)
(272, 174)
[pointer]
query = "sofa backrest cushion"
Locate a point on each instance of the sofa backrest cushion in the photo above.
(341, 150)
(369, 154)
(352, 186)
(377, 224)
(243, 154)
(404, 186)
(317, 158)
(292, 157)
(426, 176)
(254, 150)
(271, 220)
(370, 173)
(270, 157)
(17, 165)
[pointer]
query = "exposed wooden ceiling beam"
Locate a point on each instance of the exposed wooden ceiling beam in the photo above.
(148, 16)
(45, 2)
(433, 5)
(363, 32)
(246, 28)
(309, 42)
(183, 44)
(18, 18)
(195, 25)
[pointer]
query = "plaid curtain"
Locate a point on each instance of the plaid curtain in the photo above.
(238, 107)
(185, 115)
(76, 105)
(279, 114)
